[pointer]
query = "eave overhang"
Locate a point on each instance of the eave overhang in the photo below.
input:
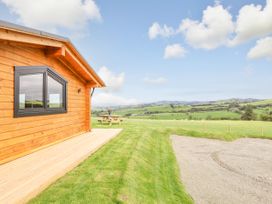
(54, 46)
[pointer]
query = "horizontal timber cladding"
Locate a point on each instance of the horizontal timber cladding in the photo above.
(23, 135)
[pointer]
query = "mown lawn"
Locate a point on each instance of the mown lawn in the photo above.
(215, 115)
(139, 166)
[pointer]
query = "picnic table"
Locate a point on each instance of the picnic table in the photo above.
(110, 119)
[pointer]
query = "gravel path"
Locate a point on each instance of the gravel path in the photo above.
(215, 171)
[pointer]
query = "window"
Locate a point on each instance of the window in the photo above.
(31, 91)
(39, 91)
(55, 93)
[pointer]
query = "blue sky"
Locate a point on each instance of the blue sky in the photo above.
(115, 39)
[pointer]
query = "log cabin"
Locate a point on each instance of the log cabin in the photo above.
(45, 90)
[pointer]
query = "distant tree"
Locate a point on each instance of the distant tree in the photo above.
(209, 117)
(236, 110)
(267, 117)
(128, 115)
(233, 105)
(264, 117)
(248, 113)
(172, 106)
(109, 111)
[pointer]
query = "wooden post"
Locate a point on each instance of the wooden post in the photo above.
(88, 109)
(229, 128)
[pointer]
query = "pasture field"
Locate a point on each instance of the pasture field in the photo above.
(139, 165)
(262, 102)
(231, 109)
(215, 115)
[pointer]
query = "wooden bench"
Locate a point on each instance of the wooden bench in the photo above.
(114, 119)
(104, 120)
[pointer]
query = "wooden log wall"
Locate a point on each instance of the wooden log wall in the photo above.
(23, 135)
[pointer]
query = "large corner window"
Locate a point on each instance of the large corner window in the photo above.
(39, 91)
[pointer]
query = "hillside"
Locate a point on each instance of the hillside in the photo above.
(231, 109)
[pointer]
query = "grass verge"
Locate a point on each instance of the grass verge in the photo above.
(139, 165)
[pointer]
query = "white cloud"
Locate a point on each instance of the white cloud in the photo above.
(262, 49)
(253, 21)
(108, 99)
(213, 30)
(114, 82)
(157, 81)
(52, 15)
(217, 27)
(174, 51)
(156, 30)
(107, 96)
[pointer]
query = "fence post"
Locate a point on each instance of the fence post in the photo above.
(229, 128)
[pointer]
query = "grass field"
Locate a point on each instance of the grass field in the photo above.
(139, 166)
(215, 115)
(231, 109)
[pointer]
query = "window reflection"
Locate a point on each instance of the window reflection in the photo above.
(55, 93)
(31, 91)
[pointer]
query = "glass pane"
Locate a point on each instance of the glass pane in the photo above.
(55, 93)
(31, 91)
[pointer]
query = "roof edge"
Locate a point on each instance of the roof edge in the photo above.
(8, 25)
(66, 41)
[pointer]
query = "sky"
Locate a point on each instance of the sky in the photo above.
(149, 51)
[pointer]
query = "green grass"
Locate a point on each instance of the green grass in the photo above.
(215, 115)
(218, 110)
(263, 102)
(139, 165)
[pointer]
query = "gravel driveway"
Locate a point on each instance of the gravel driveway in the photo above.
(215, 171)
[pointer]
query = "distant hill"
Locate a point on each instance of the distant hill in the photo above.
(230, 109)
(159, 103)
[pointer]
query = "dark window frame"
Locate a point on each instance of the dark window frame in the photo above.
(46, 71)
